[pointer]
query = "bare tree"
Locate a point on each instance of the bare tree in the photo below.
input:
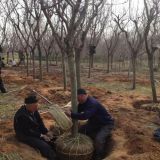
(47, 43)
(152, 12)
(96, 19)
(29, 27)
(95, 33)
(19, 25)
(34, 8)
(111, 42)
(4, 21)
(72, 21)
(134, 39)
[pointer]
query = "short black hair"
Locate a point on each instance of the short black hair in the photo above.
(81, 91)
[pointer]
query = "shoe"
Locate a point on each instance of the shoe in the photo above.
(3, 91)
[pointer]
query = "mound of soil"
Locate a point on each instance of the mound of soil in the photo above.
(140, 145)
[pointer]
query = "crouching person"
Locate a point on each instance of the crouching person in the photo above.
(30, 128)
(99, 125)
(156, 133)
(2, 88)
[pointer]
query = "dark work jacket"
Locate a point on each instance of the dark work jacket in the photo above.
(26, 124)
(94, 112)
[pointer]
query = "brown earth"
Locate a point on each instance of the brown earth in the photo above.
(134, 126)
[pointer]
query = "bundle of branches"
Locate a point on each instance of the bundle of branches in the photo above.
(63, 122)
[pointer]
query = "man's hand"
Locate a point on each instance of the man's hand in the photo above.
(50, 134)
(68, 113)
(45, 137)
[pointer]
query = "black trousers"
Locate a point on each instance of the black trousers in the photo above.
(3, 90)
(45, 149)
(156, 134)
(99, 134)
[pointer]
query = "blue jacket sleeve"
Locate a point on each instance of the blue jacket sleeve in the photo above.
(84, 115)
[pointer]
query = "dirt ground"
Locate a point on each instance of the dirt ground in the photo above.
(134, 126)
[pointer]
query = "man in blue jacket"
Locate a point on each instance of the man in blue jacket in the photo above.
(100, 123)
(30, 128)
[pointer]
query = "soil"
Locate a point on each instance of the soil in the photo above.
(134, 126)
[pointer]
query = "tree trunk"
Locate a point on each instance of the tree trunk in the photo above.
(151, 70)
(33, 63)
(119, 69)
(111, 62)
(12, 54)
(7, 57)
(30, 58)
(134, 72)
(77, 58)
(108, 64)
(159, 60)
(73, 80)
(40, 62)
(89, 71)
(64, 71)
(47, 63)
(129, 67)
(27, 64)
(56, 59)
(50, 59)
(154, 61)
(92, 60)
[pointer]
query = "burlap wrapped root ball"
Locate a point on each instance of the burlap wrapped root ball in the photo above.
(74, 148)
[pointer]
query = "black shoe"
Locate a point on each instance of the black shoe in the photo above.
(3, 90)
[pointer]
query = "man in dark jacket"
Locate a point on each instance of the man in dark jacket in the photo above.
(99, 124)
(156, 133)
(30, 128)
(2, 88)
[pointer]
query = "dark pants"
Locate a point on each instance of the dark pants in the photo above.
(157, 134)
(3, 90)
(45, 149)
(99, 134)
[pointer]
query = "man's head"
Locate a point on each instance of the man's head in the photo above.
(81, 95)
(31, 103)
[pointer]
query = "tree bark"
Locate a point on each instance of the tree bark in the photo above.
(56, 59)
(12, 54)
(33, 63)
(159, 60)
(73, 80)
(77, 58)
(89, 71)
(27, 64)
(64, 72)
(111, 61)
(47, 62)
(30, 58)
(134, 72)
(92, 60)
(7, 57)
(151, 70)
(108, 63)
(40, 62)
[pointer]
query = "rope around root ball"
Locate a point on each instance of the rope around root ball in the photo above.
(69, 147)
